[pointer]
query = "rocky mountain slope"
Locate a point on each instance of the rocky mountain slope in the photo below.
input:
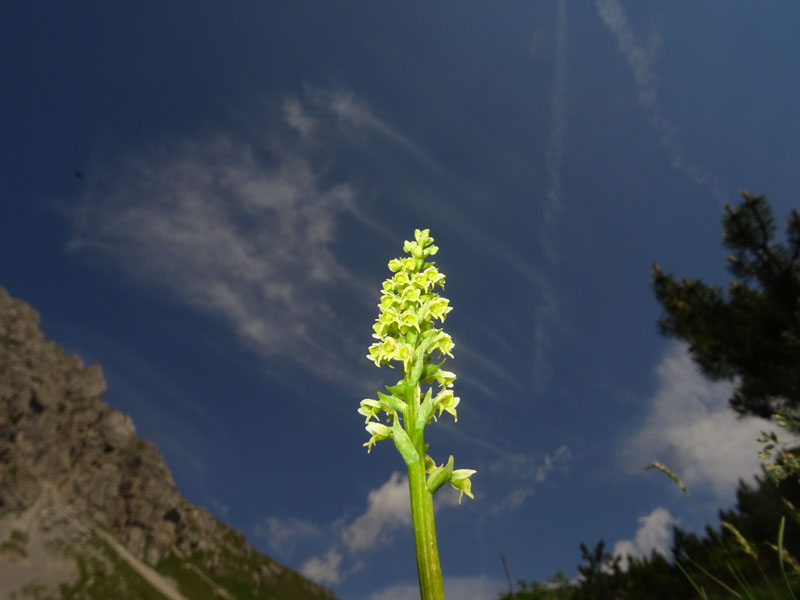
(87, 509)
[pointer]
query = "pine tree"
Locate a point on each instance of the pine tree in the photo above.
(752, 332)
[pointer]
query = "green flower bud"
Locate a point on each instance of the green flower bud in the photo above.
(421, 235)
(429, 464)
(440, 475)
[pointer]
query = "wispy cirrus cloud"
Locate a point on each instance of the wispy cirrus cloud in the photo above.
(641, 61)
(247, 230)
(222, 230)
(296, 116)
(353, 111)
(526, 473)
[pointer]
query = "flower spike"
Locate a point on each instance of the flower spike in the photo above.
(405, 333)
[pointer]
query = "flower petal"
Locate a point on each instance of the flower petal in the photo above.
(461, 481)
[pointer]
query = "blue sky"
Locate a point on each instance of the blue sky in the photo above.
(249, 170)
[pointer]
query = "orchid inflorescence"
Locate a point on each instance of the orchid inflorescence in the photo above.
(406, 334)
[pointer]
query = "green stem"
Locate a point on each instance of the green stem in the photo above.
(428, 569)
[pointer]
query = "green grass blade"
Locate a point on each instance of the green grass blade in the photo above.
(699, 590)
(739, 577)
(780, 556)
(719, 581)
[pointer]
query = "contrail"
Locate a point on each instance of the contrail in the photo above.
(641, 63)
(546, 310)
(556, 144)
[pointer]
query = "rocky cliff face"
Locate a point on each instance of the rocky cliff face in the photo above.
(89, 510)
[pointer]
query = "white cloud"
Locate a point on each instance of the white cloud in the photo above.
(388, 509)
(455, 588)
(641, 62)
(283, 534)
(654, 533)
(692, 430)
(324, 570)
